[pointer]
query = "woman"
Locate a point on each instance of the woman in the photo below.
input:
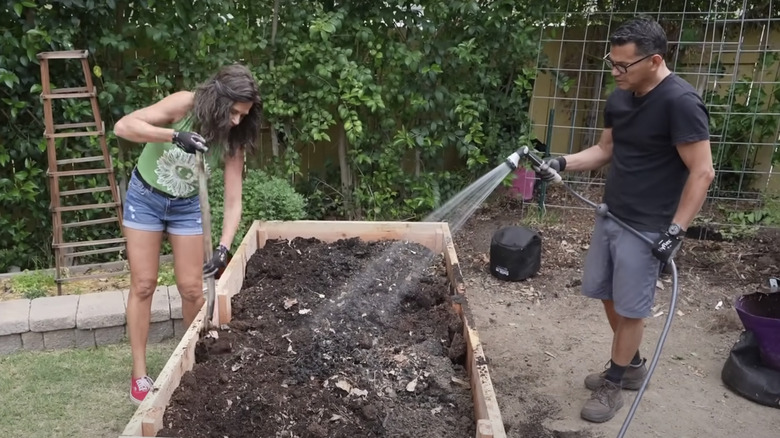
(224, 114)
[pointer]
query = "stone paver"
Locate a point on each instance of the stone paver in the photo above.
(32, 341)
(59, 339)
(83, 321)
(85, 338)
(161, 309)
(100, 310)
(14, 317)
(178, 328)
(174, 299)
(53, 313)
(160, 331)
(109, 335)
(10, 343)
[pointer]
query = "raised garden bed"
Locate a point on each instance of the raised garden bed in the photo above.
(331, 335)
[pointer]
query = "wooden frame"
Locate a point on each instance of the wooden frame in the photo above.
(147, 419)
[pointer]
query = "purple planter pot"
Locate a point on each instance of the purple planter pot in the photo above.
(760, 313)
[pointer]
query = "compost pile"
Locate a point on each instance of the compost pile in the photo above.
(343, 339)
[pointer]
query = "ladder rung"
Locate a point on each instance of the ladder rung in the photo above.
(70, 90)
(80, 160)
(64, 54)
(91, 276)
(75, 125)
(83, 191)
(86, 207)
(106, 220)
(69, 95)
(74, 134)
(90, 243)
(65, 173)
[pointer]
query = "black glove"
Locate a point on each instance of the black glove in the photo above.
(218, 261)
(667, 244)
(557, 164)
(190, 142)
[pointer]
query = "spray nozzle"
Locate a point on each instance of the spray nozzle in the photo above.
(513, 161)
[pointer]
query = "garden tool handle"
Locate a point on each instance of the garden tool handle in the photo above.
(205, 211)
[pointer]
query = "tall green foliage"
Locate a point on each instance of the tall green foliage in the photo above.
(402, 84)
(421, 97)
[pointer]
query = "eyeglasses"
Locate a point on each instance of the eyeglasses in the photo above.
(621, 68)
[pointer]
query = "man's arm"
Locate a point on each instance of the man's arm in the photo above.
(593, 157)
(234, 167)
(697, 156)
(143, 125)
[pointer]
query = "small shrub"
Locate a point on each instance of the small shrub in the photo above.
(264, 198)
(32, 285)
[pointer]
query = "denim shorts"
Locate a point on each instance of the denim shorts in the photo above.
(621, 267)
(147, 210)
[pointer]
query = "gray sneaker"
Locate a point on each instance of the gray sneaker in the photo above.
(604, 403)
(632, 379)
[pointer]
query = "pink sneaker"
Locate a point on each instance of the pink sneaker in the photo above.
(139, 388)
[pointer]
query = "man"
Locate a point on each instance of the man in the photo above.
(656, 140)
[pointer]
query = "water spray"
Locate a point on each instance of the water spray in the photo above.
(603, 211)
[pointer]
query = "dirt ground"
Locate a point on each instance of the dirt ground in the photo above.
(349, 339)
(542, 337)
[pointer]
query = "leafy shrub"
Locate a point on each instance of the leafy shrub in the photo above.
(264, 198)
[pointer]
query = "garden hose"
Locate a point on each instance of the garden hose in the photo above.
(603, 211)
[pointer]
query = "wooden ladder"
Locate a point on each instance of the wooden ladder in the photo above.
(73, 214)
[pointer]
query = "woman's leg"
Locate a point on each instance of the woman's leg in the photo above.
(188, 267)
(143, 255)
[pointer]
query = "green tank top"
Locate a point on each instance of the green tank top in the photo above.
(168, 168)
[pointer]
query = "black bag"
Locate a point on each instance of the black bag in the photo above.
(745, 374)
(515, 253)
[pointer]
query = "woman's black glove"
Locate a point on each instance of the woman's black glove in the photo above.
(218, 261)
(189, 142)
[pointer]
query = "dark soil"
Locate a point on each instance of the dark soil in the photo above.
(349, 339)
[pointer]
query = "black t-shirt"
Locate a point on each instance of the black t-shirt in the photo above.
(646, 175)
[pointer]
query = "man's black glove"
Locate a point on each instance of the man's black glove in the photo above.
(217, 262)
(190, 142)
(668, 243)
(557, 164)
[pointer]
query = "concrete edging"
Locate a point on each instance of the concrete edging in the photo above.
(83, 321)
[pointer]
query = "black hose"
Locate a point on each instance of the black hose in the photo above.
(602, 210)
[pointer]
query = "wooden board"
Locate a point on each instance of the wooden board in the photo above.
(147, 419)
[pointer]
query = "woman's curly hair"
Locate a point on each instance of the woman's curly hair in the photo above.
(213, 101)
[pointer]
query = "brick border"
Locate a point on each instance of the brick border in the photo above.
(83, 321)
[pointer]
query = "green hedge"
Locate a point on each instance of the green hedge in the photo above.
(264, 198)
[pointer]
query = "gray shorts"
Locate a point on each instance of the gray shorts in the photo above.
(621, 267)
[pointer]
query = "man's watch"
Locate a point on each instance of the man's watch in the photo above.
(675, 230)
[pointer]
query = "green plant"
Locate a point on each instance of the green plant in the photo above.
(264, 198)
(746, 223)
(33, 284)
(536, 217)
(166, 276)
